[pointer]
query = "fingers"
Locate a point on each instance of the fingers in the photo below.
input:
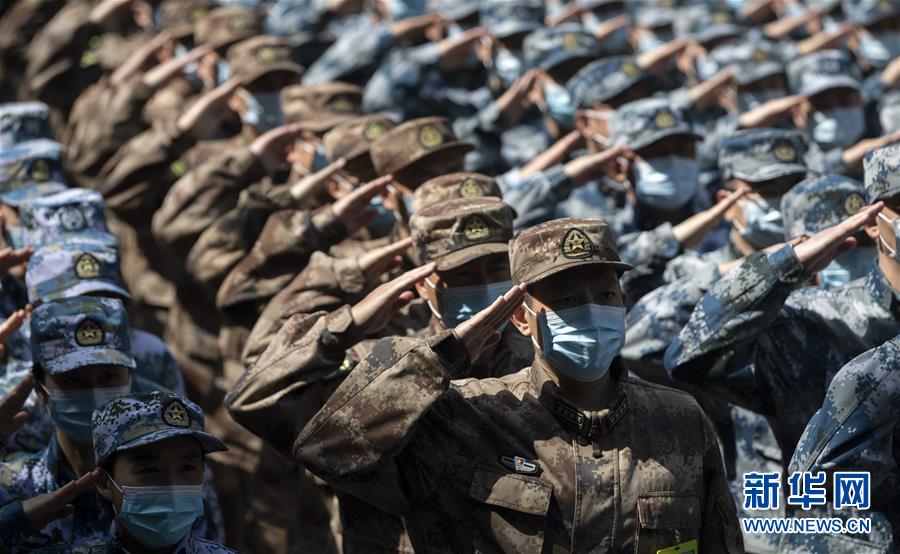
(865, 216)
(371, 189)
(306, 185)
(503, 308)
(405, 298)
(72, 489)
(410, 278)
(726, 203)
(12, 403)
(12, 323)
(394, 249)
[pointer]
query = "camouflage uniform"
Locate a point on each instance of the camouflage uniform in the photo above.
(68, 334)
(18, 26)
(460, 462)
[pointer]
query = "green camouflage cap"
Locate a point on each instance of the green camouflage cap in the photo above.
(321, 107)
(454, 185)
(254, 57)
(352, 139)
(820, 202)
(227, 25)
(553, 246)
(179, 17)
(136, 420)
(458, 231)
(882, 173)
(758, 155)
(414, 142)
(69, 333)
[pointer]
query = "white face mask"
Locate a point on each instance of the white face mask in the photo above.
(838, 127)
(666, 183)
(880, 48)
(894, 224)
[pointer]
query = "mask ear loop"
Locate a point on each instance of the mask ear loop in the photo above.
(428, 301)
(536, 317)
(892, 251)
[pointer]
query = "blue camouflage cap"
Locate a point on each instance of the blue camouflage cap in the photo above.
(652, 16)
(823, 70)
(23, 121)
(758, 155)
(74, 268)
(706, 24)
(882, 173)
(642, 122)
(80, 331)
(603, 79)
(505, 18)
(547, 48)
(136, 420)
(819, 202)
(28, 191)
(63, 216)
(33, 161)
(455, 10)
(755, 59)
(867, 12)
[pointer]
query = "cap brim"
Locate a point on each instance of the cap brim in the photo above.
(463, 147)
(461, 257)
(87, 286)
(325, 122)
(769, 171)
(621, 267)
(683, 130)
(825, 83)
(15, 197)
(86, 357)
(758, 72)
(566, 55)
(507, 29)
(717, 31)
(208, 442)
(283, 67)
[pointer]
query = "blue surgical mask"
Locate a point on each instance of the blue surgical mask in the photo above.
(508, 67)
(223, 71)
(71, 410)
(879, 48)
(159, 516)
(764, 224)
(616, 43)
(559, 104)
(839, 127)
(893, 253)
(14, 235)
(749, 100)
(581, 342)
(666, 183)
(849, 266)
(263, 111)
(384, 219)
(460, 304)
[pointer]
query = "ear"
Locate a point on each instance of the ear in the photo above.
(873, 232)
(106, 489)
(519, 319)
(334, 189)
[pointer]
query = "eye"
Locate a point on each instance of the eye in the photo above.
(146, 470)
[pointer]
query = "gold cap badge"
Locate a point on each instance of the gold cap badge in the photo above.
(87, 267)
(577, 245)
(88, 333)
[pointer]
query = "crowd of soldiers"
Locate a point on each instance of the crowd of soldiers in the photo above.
(445, 275)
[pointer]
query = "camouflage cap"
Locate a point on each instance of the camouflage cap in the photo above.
(867, 12)
(23, 121)
(882, 173)
(80, 331)
(603, 79)
(822, 70)
(642, 122)
(139, 419)
(29, 191)
(255, 57)
(711, 23)
(414, 142)
(352, 139)
(454, 185)
(74, 268)
(227, 25)
(758, 155)
(547, 48)
(655, 16)
(33, 161)
(455, 10)
(63, 216)
(553, 246)
(819, 202)
(179, 17)
(321, 107)
(506, 18)
(754, 59)
(458, 231)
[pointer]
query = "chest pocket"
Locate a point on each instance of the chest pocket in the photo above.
(666, 519)
(511, 511)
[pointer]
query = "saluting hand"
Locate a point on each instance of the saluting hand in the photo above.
(817, 252)
(480, 332)
(51, 506)
(374, 311)
(353, 209)
(373, 264)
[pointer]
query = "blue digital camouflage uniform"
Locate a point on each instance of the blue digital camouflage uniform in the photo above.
(71, 333)
(856, 427)
(23, 121)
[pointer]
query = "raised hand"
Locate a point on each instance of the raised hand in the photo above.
(51, 506)
(818, 250)
(313, 183)
(11, 414)
(592, 166)
(854, 155)
(10, 258)
(160, 75)
(374, 311)
(480, 332)
(692, 230)
(203, 117)
(373, 264)
(271, 147)
(353, 209)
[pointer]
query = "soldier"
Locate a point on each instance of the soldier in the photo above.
(152, 448)
(509, 489)
(81, 358)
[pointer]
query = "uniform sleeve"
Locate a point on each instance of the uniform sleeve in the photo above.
(534, 197)
(357, 441)
(720, 531)
(854, 429)
(196, 200)
(396, 85)
(14, 524)
(721, 349)
(282, 250)
(325, 284)
(648, 252)
(356, 53)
